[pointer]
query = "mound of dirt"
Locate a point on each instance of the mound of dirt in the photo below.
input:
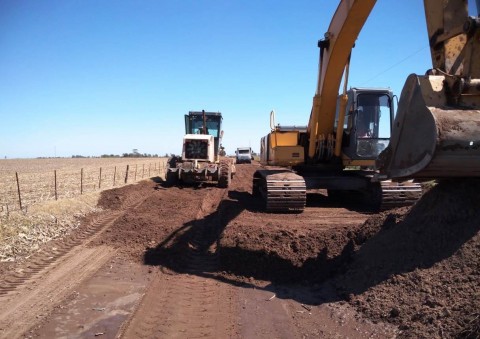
(420, 267)
(417, 267)
(114, 199)
(152, 222)
(283, 252)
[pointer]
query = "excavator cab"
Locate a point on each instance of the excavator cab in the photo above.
(367, 123)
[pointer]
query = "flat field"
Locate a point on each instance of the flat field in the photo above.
(50, 179)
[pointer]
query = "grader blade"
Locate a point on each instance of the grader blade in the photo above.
(432, 138)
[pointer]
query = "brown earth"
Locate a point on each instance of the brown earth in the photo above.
(190, 262)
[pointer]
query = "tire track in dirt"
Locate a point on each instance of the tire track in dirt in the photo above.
(41, 262)
(188, 305)
(32, 290)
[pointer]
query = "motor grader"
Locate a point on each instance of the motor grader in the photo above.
(353, 146)
(201, 160)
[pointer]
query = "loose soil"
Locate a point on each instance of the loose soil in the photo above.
(183, 262)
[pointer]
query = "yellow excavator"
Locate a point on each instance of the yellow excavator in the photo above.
(354, 147)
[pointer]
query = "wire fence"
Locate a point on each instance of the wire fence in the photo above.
(21, 189)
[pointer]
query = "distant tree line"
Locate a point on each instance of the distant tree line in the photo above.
(124, 155)
(138, 155)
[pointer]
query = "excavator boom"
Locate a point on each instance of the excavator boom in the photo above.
(335, 50)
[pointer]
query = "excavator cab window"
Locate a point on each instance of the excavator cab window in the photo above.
(372, 124)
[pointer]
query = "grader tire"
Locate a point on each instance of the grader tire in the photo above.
(224, 175)
(171, 179)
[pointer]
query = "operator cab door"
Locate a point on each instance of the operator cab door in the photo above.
(367, 125)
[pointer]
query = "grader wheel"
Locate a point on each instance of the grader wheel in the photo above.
(171, 178)
(224, 174)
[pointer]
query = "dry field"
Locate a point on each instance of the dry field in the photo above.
(36, 177)
(51, 211)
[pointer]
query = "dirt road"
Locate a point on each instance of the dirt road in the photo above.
(186, 262)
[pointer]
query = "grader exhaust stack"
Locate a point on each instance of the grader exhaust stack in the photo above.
(436, 133)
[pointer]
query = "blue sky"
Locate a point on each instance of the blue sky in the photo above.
(104, 77)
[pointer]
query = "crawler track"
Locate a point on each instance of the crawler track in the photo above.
(398, 194)
(282, 190)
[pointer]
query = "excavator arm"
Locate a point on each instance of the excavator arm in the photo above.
(436, 133)
(451, 35)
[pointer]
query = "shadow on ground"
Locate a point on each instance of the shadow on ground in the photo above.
(387, 244)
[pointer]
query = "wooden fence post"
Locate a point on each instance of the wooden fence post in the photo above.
(135, 173)
(114, 175)
(143, 170)
(81, 181)
(126, 174)
(100, 179)
(19, 195)
(55, 175)
(149, 170)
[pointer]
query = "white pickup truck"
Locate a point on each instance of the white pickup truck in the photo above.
(244, 155)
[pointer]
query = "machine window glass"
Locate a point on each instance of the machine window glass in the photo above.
(373, 118)
(213, 124)
(372, 124)
(197, 126)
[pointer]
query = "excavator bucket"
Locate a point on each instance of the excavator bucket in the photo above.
(436, 133)
(432, 138)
